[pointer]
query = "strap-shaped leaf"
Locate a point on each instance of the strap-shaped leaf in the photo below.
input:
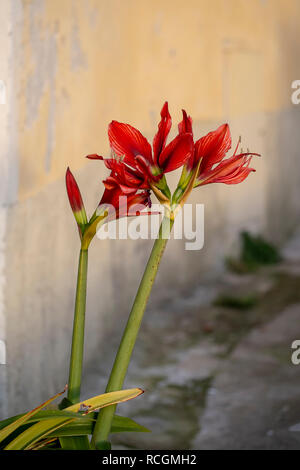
(123, 424)
(42, 415)
(105, 399)
(86, 426)
(7, 430)
(43, 428)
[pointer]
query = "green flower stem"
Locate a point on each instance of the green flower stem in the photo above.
(75, 372)
(118, 373)
(76, 360)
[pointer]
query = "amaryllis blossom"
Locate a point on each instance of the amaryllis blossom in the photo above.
(137, 165)
(209, 153)
(75, 199)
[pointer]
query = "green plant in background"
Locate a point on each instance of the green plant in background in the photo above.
(239, 302)
(255, 252)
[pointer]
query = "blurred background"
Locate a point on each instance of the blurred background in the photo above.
(214, 354)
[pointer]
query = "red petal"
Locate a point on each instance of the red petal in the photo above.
(111, 196)
(213, 147)
(128, 141)
(177, 152)
(185, 126)
(138, 202)
(110, 182)
(131, 179)
(143, 166)
(127, 190)
(159, 141)
(94, 156)
(241, 176)
(128, 205)
(114, 165)
(231, 171)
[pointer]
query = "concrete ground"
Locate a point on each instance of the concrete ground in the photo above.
(217, 377)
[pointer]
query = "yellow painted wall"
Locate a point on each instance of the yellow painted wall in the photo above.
(83, 63)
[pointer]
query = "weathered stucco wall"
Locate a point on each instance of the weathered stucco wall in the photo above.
(70, 68)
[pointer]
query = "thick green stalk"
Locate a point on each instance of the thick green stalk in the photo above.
(118, 373)
(76, 359)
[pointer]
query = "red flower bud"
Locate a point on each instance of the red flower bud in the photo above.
(75, 199)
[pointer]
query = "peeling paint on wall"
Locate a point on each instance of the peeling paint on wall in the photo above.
(41, 80)
(78, 58)
(8, 173)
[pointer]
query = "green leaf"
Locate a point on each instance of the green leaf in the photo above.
(85, 426)
(82, 425)
(80, 443)
(42, 415)
(106, 399)
(123, 424)
(75, 428)
(25, 417)
(42, 429)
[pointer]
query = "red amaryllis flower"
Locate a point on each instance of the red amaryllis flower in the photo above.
(75, 199)
(136, 166)
(209, 153)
